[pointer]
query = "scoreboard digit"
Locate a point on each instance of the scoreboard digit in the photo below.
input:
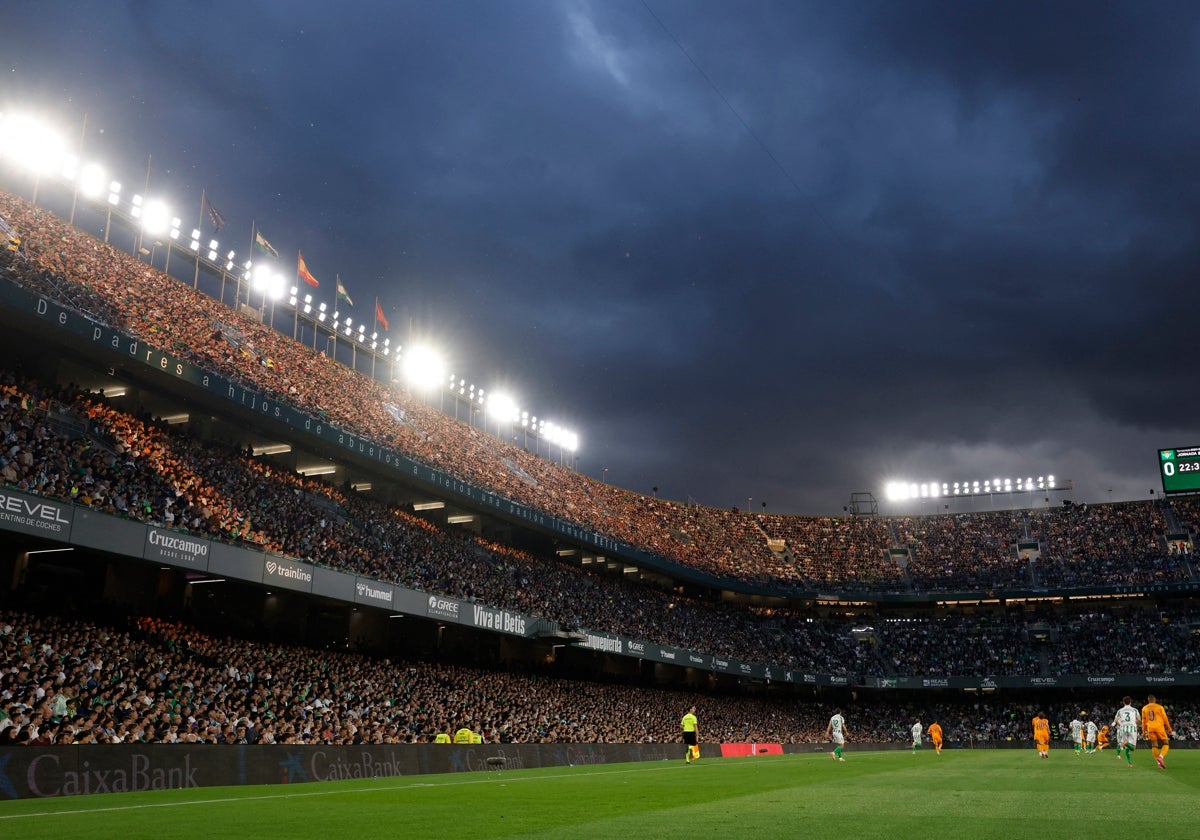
(1180, 469)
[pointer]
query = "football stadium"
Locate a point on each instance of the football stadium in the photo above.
(266, 571)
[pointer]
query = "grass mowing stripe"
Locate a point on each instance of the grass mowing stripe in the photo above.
(961, 794)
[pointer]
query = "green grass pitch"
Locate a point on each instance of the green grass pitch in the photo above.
(960, 794)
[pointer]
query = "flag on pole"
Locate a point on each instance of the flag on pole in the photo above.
(267, 247)
(379, 316)
(218, 221)
(303, 273)
(342, 293)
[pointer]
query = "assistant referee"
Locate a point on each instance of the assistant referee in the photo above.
(691, 736)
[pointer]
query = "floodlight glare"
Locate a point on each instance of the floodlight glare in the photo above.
(70, 166)
(423, 367)
(502, 407)
(31, 144)
(155, 218)
(91, 180)
(268, 283)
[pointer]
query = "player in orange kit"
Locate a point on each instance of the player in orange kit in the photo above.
(1041, 734)
(1102, 738)
(935, 735)
(1156, 729)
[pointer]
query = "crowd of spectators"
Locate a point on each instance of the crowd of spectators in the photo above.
(153, 472)
(118, 463)
(1087, 546)
(149, 680)
(1103, 642)
(951, 645)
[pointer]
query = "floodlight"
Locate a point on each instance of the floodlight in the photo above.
(91, 180)
(114, 192)
(30, 143)
(503, 407)
(423, 366)
(268, 283)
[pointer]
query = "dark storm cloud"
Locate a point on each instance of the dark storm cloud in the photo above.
(773, 250)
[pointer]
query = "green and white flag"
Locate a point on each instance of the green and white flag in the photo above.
(342, 293)
(267, 247)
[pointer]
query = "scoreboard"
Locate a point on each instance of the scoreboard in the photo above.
(1180, 469)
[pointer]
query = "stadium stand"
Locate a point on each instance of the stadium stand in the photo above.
(160, 675)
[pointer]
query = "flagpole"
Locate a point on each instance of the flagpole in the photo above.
(337, 284)
(374, 331)
(75, 194)
(137, 244)
(237, 298)
(200, 227)
(296, 308)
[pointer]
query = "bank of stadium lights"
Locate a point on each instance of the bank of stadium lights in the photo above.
(557, 435)
(905, 490)
(36, 147)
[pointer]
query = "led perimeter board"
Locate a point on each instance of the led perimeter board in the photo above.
(1180, 469)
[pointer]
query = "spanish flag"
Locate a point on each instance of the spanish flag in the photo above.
(379, 316)
(303, 273)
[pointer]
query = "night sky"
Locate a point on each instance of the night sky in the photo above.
(767, 251)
